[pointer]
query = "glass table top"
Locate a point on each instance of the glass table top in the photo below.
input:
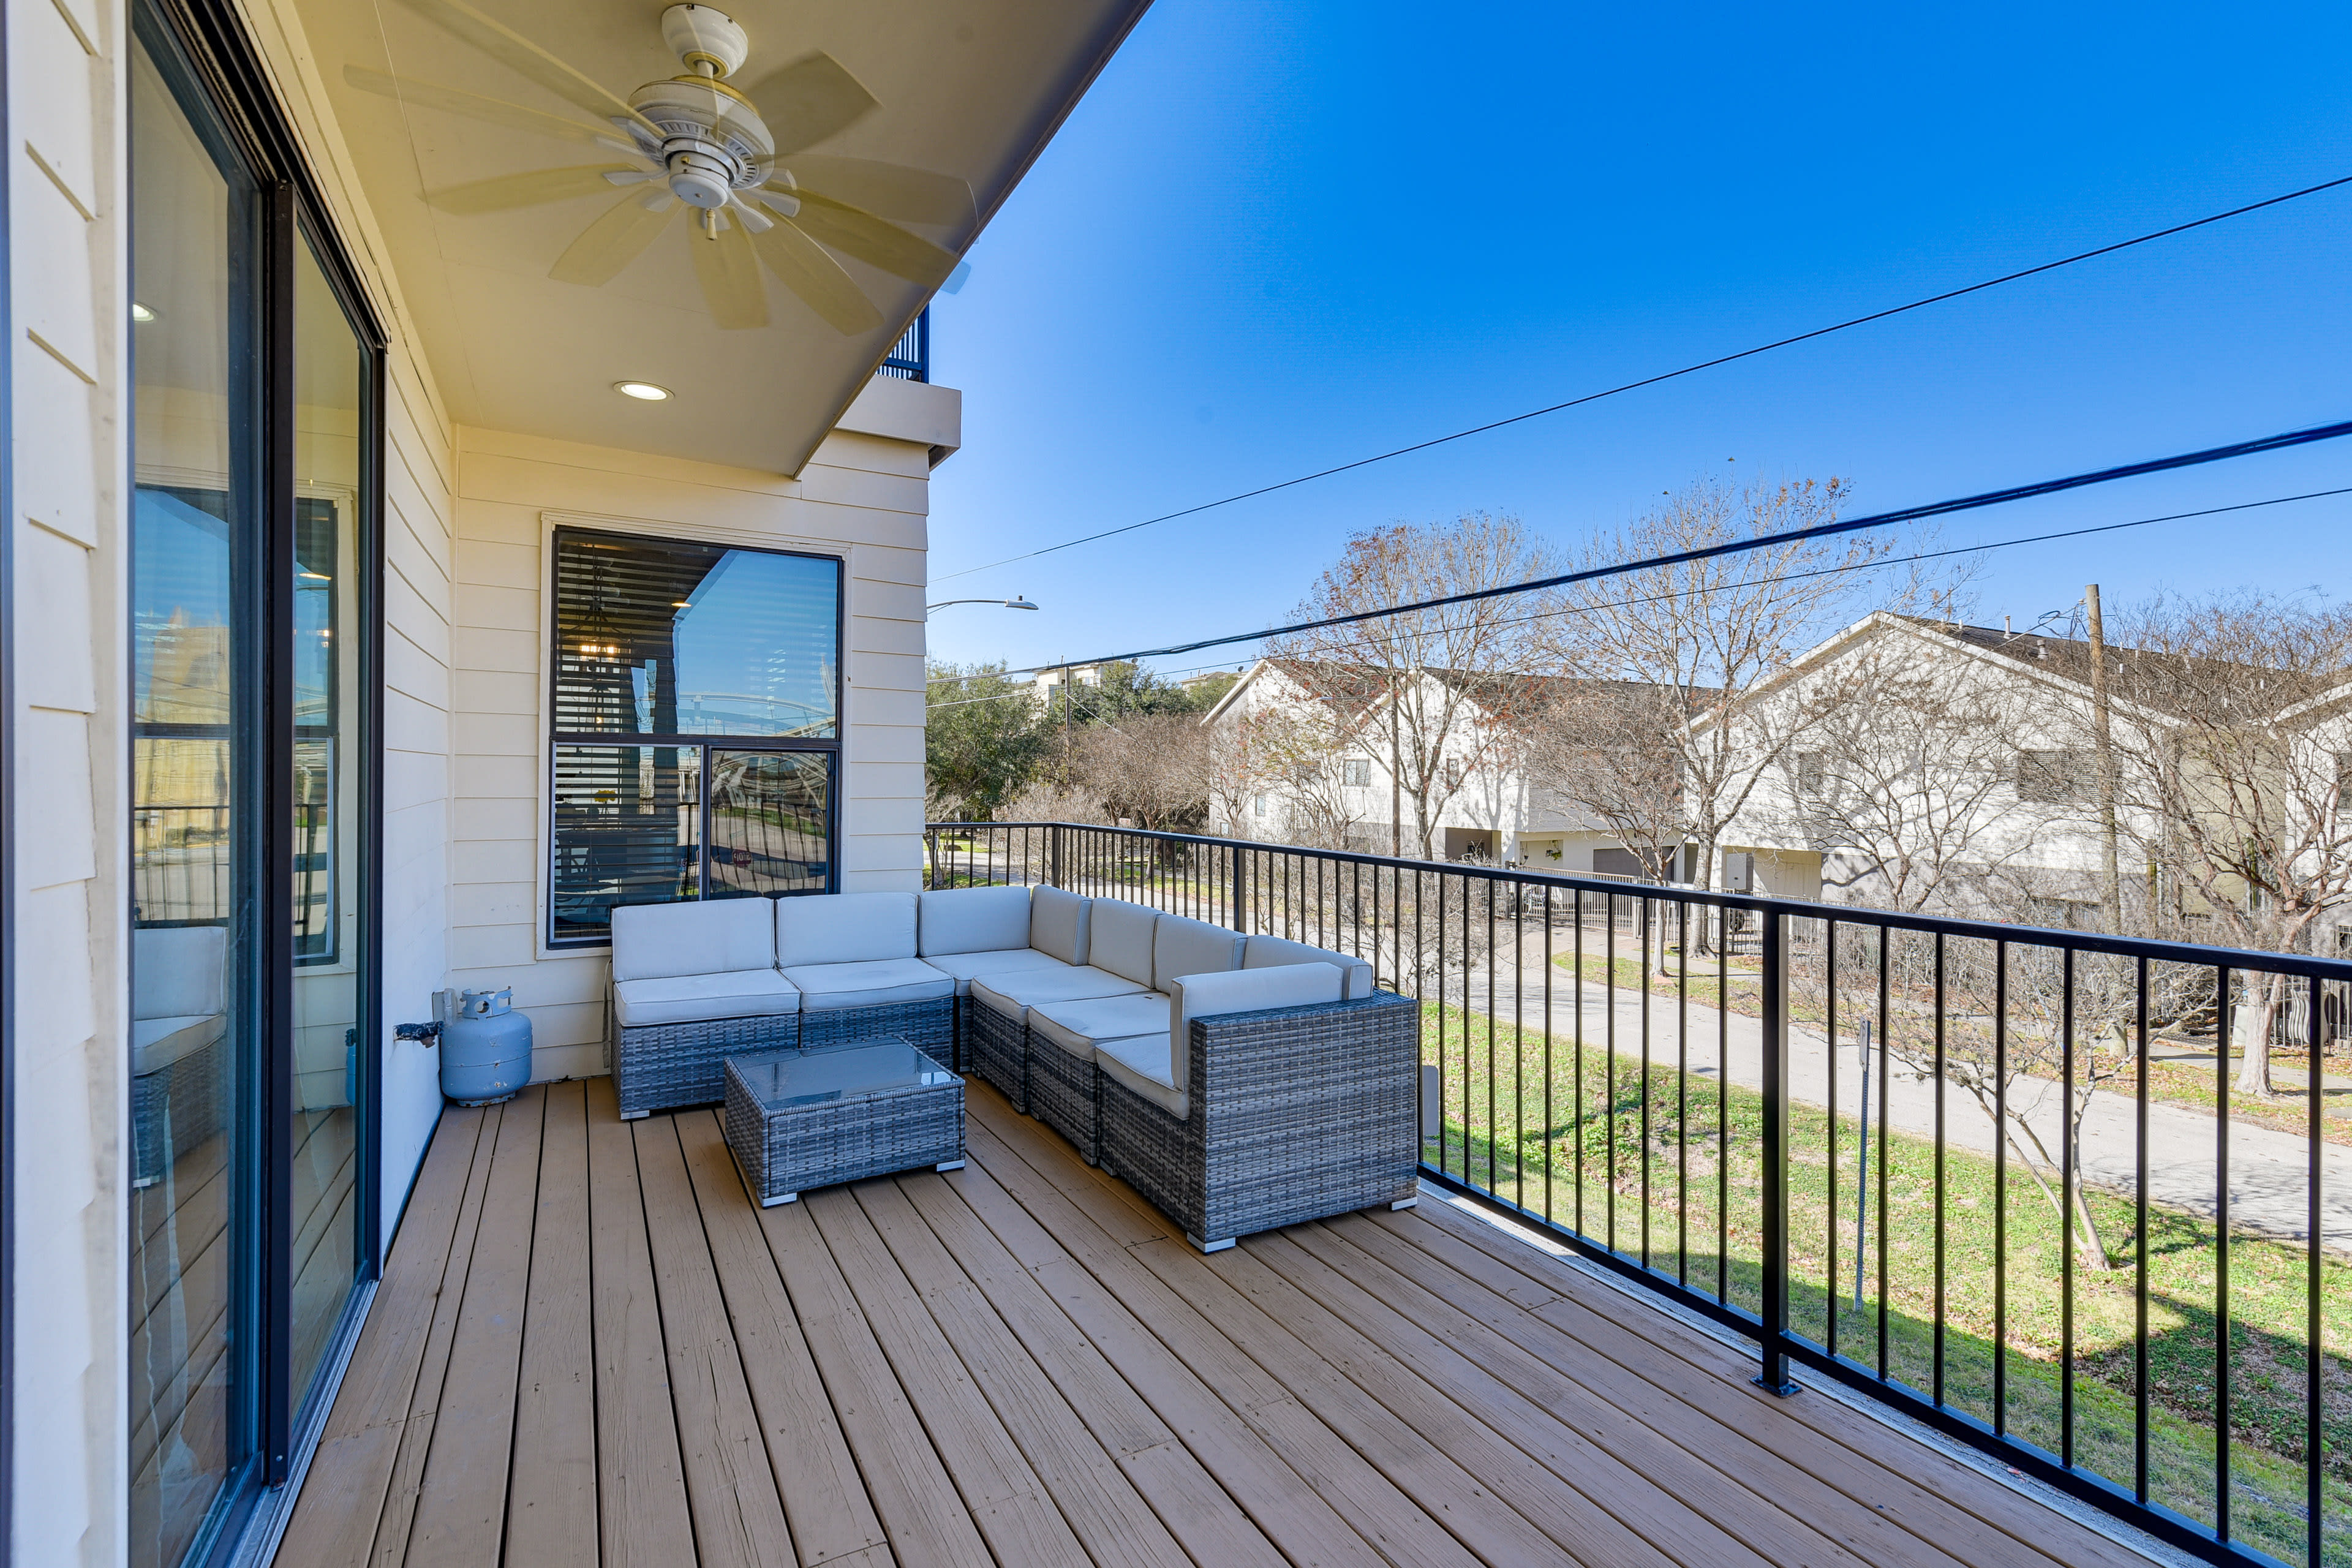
(778, 1080)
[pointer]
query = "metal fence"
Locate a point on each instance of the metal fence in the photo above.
(1999, 1177)
(910, 357)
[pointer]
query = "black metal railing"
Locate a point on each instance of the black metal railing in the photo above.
(1999, 1177)
(910, 358)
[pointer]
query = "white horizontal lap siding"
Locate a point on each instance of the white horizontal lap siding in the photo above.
(862, 499)
(419, 568)
(70, 785)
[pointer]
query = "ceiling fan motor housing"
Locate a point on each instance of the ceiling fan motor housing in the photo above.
(713, 142)
(699, 33)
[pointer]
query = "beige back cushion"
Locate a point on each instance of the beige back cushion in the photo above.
(1058, 925)
(1182, 946)
(845, 928)
(971, 920)
(657, 941)
(1118, 938)
(1269, 952)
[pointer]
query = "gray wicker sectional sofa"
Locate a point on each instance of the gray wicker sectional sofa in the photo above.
(1240, 1083)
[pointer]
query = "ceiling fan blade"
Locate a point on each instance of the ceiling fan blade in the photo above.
(533, 189)
(473, 106)
(613, 241)
(887, 190)
(519, 54)
(853, 231)
(730, 275)
(806, 102)
(803, 266)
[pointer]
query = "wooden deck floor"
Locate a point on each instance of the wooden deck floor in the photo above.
(590, 1347)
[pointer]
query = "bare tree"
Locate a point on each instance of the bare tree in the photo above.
(2223, 706)
(1705, 634)
(1152, 769)
(1600, 749)
(1449, 695)
(1903, 776)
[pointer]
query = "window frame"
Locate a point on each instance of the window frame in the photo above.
(554, 740)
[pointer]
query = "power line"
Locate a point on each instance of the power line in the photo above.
(1803, 577)
(1664, 376)
(1739, 546)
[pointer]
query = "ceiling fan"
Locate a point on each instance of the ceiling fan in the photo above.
(732, 158)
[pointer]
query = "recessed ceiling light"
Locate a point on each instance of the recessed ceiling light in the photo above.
(681, 604)
(644, 390)
(140, 312)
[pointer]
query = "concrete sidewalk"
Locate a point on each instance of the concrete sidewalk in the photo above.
(2270, 1173)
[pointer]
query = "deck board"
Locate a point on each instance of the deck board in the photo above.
(551, 1489)
(589, 1347)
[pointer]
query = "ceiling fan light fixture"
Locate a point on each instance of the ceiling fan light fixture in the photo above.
(643, 391)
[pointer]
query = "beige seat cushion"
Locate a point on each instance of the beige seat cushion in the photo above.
(964, 968)
(871, 982)
(1078, 1027)
(1014, 995)
(157, 1043)
(1141, 1067)
(700, 998)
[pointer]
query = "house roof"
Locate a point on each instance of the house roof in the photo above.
(1353, 691)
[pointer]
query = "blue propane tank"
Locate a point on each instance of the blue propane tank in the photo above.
(484, 1050)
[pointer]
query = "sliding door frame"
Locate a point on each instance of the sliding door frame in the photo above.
(229, 71)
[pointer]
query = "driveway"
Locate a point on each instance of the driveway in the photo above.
(2270, 1171)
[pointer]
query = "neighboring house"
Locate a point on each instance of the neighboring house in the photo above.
(1929, 763)
(1304, 755)
(442, 507)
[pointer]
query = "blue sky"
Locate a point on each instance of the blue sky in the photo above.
(1284, 234)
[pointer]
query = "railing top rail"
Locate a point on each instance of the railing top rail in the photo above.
(2302, 965)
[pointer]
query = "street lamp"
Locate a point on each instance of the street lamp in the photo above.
(1016, 602)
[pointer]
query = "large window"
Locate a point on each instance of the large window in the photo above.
(697, 735)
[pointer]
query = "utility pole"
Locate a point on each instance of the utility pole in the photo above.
(1068, 695)
(2111, 888)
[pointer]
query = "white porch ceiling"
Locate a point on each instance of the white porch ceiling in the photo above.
(972, 91)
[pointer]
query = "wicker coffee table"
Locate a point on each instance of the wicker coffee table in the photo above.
(799, 1119)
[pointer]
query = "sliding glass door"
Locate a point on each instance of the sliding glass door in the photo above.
(198, 747)
(252, 976)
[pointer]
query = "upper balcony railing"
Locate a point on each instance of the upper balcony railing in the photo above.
(1999, 1178)
(910, 359)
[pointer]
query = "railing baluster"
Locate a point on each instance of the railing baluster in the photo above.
(1578, 945)
(1941, 1191)
(1999, 1187)
(2139, 1264)
(1830, 993)
(1552, 1164)
(2227, 1029)
(1774, 1330)
(2066, 1212)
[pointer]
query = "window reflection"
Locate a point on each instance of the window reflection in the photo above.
(193, 755)
(324, 1214)
(661, 637)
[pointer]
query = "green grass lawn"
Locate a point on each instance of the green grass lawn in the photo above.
(1667, 1169)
